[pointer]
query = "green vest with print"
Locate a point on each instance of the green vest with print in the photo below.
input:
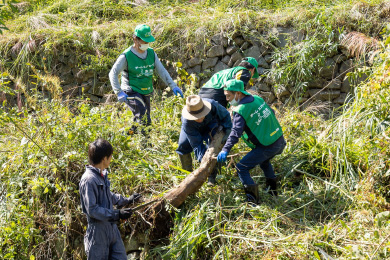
(140, 71)
(218, 79)
(261, 121)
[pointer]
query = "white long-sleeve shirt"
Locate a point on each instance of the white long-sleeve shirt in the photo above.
(120, 66)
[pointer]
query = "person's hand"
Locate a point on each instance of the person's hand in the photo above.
(226, 136)
(125, 213)
(122, 96)
(222, 156)
(134, 198)
(177, 90)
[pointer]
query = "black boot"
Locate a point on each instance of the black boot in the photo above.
(272, 185)
(211, 180)
(252, 193)
(186, 161)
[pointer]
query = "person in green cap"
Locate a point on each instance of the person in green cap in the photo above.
(137, 64)
(213, 88)
(255, 122)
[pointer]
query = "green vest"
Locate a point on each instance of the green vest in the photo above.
(140, 71)
(261, 121)
(218, 79)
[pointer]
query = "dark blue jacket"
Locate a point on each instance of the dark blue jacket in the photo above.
(198, 132)
(96, 198)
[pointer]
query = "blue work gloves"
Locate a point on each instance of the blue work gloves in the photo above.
(222, 156)
(177, 90)
(122, 96)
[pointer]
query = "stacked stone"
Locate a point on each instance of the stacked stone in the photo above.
(75, 81)
(330, 85)
(223, 52)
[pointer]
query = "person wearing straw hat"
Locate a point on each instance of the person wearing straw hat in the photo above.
(201, 117)
(255, 122)
(137, 64)
(213, 88)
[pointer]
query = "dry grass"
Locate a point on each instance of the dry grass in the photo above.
(359, 45)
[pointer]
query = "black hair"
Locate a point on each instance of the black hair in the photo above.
(244, 63)
(99, 149)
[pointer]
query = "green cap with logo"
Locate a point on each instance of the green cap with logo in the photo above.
(143, 31)
(254, 63)
(235, 85)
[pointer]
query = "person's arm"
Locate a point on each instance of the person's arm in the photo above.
(163, 73)
(223, 116)
(119, 200)
(119, 66)
(89, 191)
(195, 139)
(237, 130)
(199, 151)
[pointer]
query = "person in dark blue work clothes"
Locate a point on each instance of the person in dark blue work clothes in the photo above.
(200, 120)
(102, 239)
(255, 122)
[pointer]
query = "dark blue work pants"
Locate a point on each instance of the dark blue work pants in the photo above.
(140, 106)
(103, 241)
(260, 155)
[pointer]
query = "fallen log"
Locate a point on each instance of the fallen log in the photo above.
(156, 221)
(195, 180)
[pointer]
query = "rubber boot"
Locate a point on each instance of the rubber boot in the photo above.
(272, 185)
(186, 161)
(211, 179)
(252, 193)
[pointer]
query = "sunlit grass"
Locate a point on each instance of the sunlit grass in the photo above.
(333, 174)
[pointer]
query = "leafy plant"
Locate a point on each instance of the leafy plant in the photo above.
(333, 174)
(298, 64)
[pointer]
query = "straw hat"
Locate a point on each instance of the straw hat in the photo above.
(195, 108)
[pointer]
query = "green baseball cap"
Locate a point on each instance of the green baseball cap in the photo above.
(254, 63)
(143, 31)
(235, 85)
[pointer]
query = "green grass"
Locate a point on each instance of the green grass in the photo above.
(59, 26)
(329, 209)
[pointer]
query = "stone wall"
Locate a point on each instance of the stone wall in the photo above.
(330, 85)
(222, 52)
